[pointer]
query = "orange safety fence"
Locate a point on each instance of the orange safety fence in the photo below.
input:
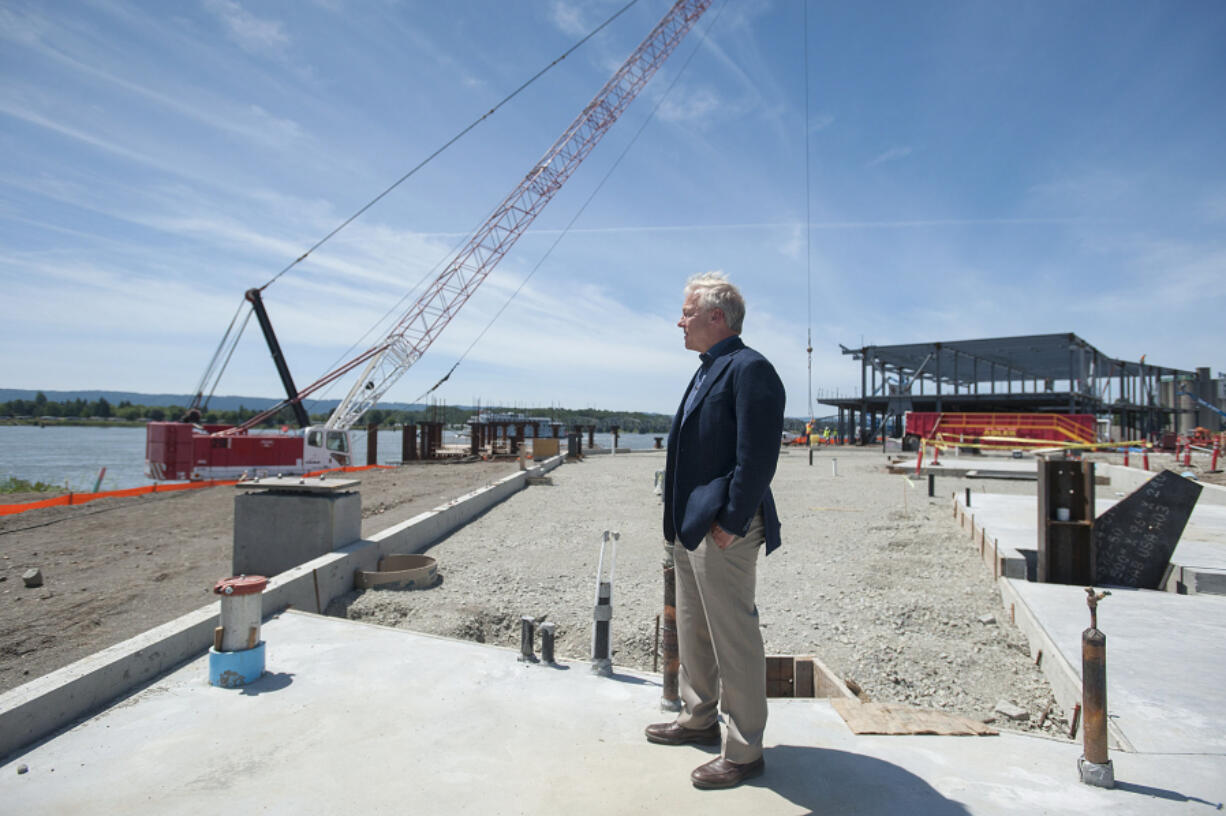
(83, 498)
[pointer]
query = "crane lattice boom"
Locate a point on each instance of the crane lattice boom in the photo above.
(427, 318)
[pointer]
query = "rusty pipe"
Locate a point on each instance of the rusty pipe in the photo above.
(670, 697)
(1095, 764)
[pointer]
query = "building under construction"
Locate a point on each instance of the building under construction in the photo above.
(1048, 373)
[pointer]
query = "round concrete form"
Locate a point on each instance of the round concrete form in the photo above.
(241, 611)
(400, 572)
(236, 669)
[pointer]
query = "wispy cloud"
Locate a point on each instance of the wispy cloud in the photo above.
(30, 117)
(914, 223)
(568, 18)
(893, 154)
(820, 122)
(696, 106)
(253, 34)
(252, 123)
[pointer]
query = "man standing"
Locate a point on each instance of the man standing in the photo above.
(722, 451)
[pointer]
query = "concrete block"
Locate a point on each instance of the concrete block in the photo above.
(1197, 581)
(275, 531)
(1012, 711)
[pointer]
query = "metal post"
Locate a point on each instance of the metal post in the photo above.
(968, 497)
(602, 662)
(547, 639)
(408, 442)
(932, 485)
(1095, 766)
(372, 444)
(527, 626)
(670, 698)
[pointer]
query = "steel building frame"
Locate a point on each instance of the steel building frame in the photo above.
(1054, 373)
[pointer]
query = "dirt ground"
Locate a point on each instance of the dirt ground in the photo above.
(114, 568)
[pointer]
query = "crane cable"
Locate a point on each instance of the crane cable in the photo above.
(566, 230)
(808, 221)
(208, 372)
(217, 354)
(449, 143)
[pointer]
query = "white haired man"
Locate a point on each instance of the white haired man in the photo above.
(722, 451)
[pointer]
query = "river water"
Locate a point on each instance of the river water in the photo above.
(68, 455)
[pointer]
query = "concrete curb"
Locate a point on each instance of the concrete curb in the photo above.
(38, 709)
(1065, 680)
(1005, 562)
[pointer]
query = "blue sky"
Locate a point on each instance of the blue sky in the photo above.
(976, 170)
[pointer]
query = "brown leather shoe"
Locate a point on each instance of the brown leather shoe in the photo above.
(673, 733)
(720, 773)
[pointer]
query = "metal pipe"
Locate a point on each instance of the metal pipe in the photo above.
(527, 627)
(547, 640)
(1095, 766)
(670, 698)
(602, 615)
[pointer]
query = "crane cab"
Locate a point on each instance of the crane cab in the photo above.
(326, 448)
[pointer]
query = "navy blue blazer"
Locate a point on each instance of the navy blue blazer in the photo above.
(722, 454)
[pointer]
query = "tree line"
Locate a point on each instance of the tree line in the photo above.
(453, 415)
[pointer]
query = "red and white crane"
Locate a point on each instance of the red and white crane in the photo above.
(185, 451)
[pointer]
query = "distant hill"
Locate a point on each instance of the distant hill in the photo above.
(222, 403)
(230, 403)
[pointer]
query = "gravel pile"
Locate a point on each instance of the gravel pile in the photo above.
(874, 578)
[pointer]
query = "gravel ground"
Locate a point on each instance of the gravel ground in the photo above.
(874, 578)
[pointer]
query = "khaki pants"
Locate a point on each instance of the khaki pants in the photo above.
(720, 644)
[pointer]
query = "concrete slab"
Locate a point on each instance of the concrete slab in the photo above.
(983, 467)
(1165, 664)
(358, 718)
(299, 484)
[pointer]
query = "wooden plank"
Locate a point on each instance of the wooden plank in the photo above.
(802, 673)
(779, 676)
(896, 719)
